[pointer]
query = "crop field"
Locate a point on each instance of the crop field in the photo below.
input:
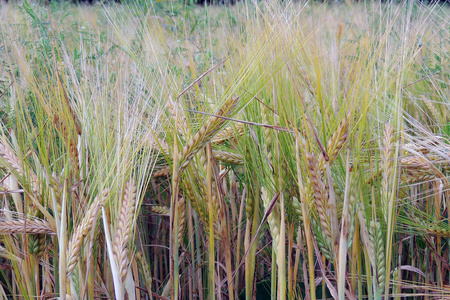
(261, 150)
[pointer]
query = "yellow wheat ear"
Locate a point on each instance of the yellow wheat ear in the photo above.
(124, 229)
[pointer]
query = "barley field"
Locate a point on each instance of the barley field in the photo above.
(262, 150)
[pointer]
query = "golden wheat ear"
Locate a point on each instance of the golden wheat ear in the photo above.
(124, 229)
(34, 226)
(82, 230)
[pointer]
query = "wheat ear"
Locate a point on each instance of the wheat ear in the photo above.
(10, 158)
(14, 165)
(418, 169)
(335, 143)
(323, 241)
(297, 207)
(272, 220)
(82, 230)
(432, 108)
(438, 232)
(145, 271)
(182, 218)
(268, 139)
(36, 244)
(73, 154)
(196, 200)
(162, 172)
(205, 134)
(156, 143)
(161, 210)
(177, 113)
(387, 165)
(20, 226)
(124, 229)
(228, 133)
(228, 157)
(376, 241)
(320, 194)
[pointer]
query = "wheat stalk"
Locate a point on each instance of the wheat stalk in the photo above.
(124, 229)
